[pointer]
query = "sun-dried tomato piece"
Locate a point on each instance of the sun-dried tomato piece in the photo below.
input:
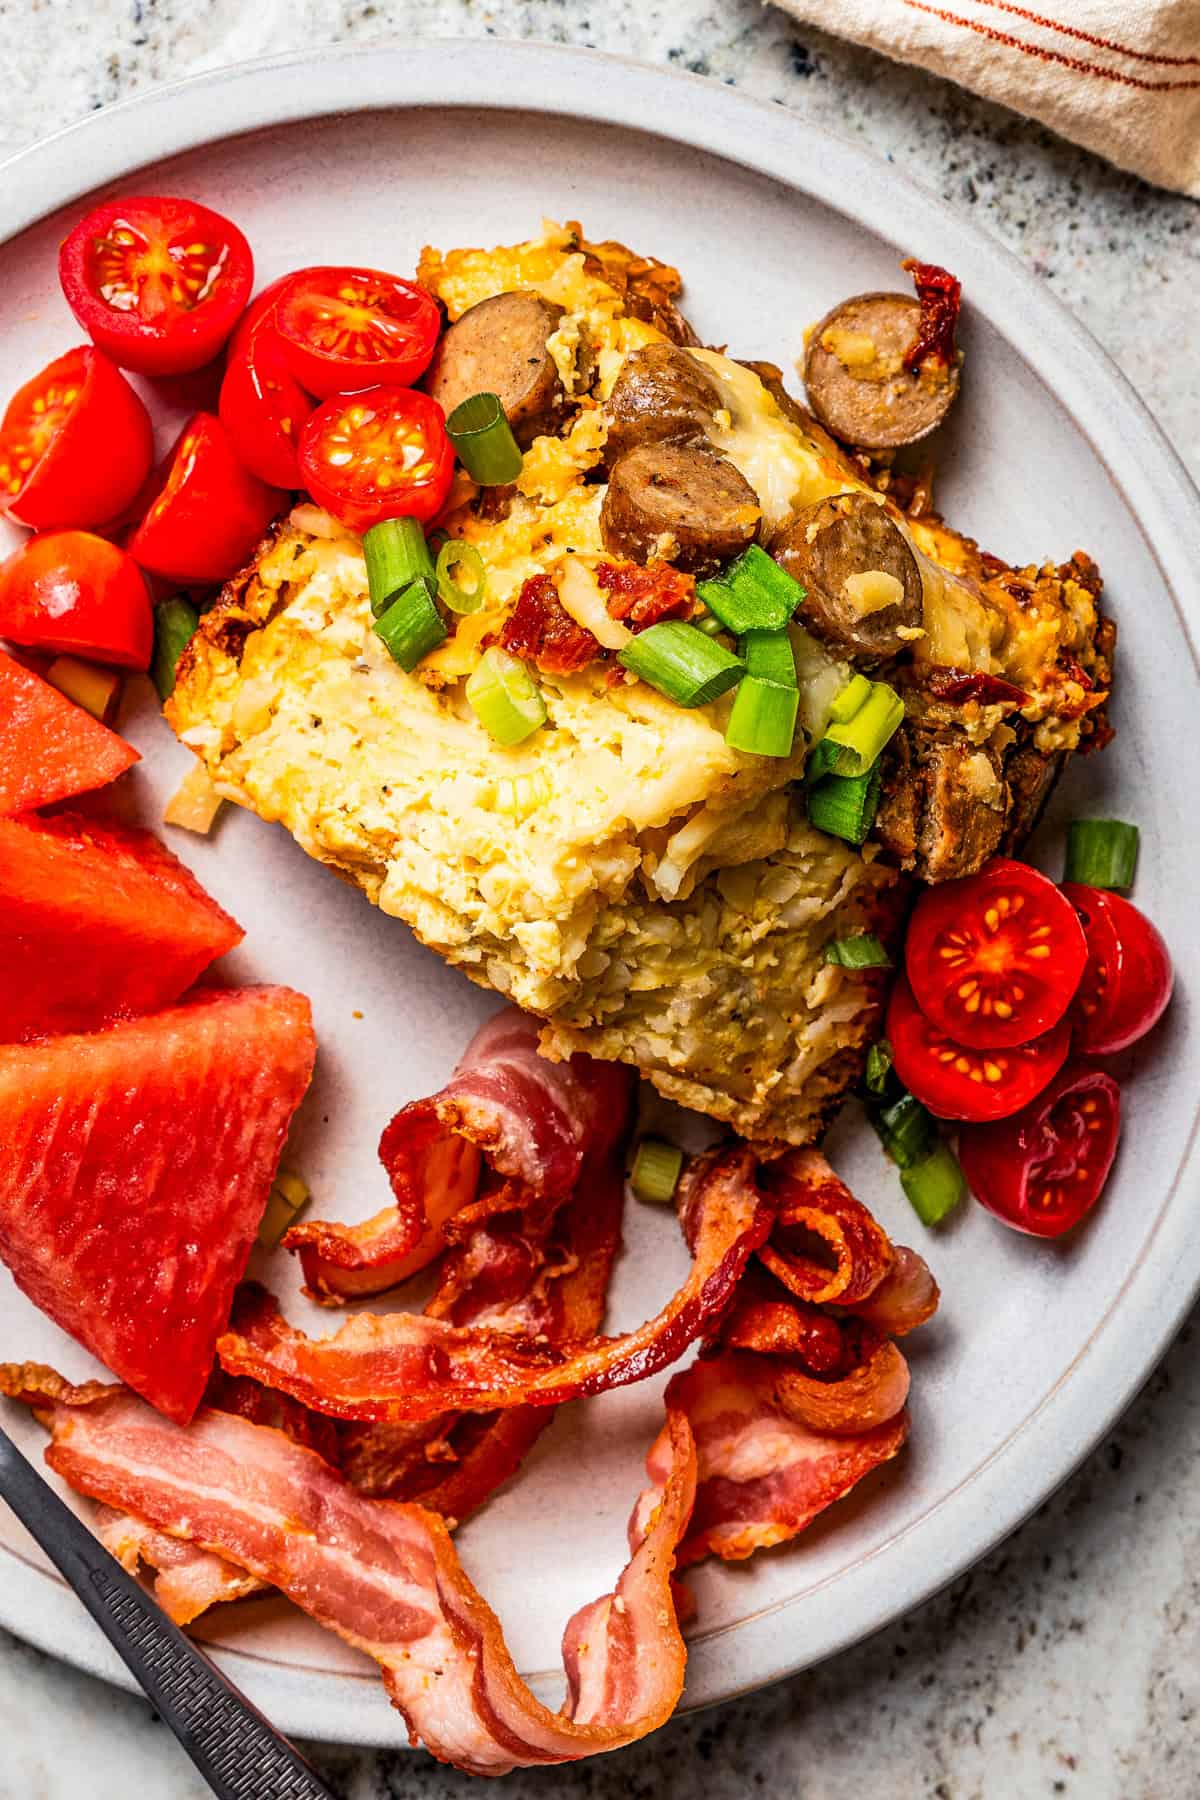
(940, 294)
(641, 596)
(542, 631)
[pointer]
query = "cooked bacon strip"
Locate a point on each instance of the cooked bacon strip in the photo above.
(188, 1580)
(907, 1296)
(408, 1367)
(763, 1476)
(814, 1204)
(940, 295)
(527, 1118)
(385, 1576)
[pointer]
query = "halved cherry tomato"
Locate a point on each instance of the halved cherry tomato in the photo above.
(959, 1081)
(158, 283)
(257, 310)
(209, 512)
(346, 329)
(76, 443)
(1128, 979)
(995, 959)
(75, 593)
(383, 454)
(1043, 1170)
(263, 407)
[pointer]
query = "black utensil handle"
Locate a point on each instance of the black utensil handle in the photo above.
(240, 1755)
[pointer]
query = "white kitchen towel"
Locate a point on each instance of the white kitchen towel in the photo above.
(1121, 77)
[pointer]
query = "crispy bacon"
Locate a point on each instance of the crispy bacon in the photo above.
(940, 294)
(642, 596)
(542, 631)
(526, 1118)
(404, 1367)
(385, 1576)
(958, 686)
(762, 1474)
(818, 1217)
(188, 1580)
(905, 1298)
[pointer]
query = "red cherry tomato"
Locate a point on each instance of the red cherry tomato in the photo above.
(263, 407)
(78, 595)
(1043, 1170)
(1128, 979)
(995, 959)
(346, 329)
(209, 512)
(383, 454)
(960, 1081)
(157, 283)
(257, 310)
(76, 443)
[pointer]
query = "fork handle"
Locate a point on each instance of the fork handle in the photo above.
(240, 1755)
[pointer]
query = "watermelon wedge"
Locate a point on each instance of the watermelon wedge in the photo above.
(135, 1165)
(97, 921)
(50, 749)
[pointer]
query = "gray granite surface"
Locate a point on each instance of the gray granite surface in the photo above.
(1069, 1662)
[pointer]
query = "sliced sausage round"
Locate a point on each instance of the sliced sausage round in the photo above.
(856, 380)
(499, 347)
(681, 502)
(661, 392)
(862, 580)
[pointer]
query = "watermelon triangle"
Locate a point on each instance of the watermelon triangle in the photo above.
(135, 1165)
(50, 749)
(97, 921)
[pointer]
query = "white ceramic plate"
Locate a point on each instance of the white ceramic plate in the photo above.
(365, 156)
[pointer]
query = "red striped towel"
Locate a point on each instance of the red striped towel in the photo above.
(1121, 77)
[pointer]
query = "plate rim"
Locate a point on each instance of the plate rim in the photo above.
(769, 139)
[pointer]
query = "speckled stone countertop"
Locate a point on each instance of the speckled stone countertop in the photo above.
(1069, 1662)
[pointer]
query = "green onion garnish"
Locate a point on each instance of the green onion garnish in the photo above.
(860, 740)
(175, 623)
(768, 656)
(396, 555)
(1101, 852)
(852, 697)
(289, 1196)
(412, 626)
(458, 554)
(656, 1167)
(762, 721)
(879, 1068)
(682, 663)
(845, 805)
(934, 1186)
(752, 594)
(486, 447)
(862, 952)
(906, 1130)
(504, 697)
(709, 624)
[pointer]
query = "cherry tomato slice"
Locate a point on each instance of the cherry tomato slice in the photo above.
(1128, 980)
(994, 959)
(346, 329)
(209, 512)
(263, 407)
(157, 283)
(76, 443)
(1043, 1170)
(382, 454)
(960, 1081)
(78, 595)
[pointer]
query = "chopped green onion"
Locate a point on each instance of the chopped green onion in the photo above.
(656, 1169)
(934, 1186)
(682, 663)
(906, 1130)
(98, 691)
(762, 721)
(459, 554)
(862, 952)
(752, 594)
(710, 625)
(860, 740)
(175, 623)
(852, 697)
(769, 657)
(412, 626)
(289, 1195)
(396, 555)
(879, 1068)
(504, 697)
(486, 447)
(1101, 852)
(845, 805)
